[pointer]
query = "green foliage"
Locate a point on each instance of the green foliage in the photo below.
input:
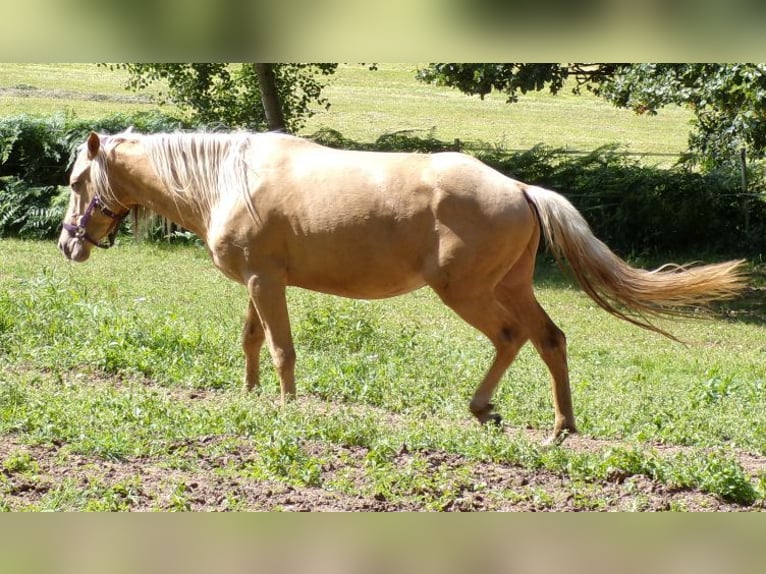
(142, 122)
(30, 212)
(398, 141)
(229, 95)
(34, 149)
(716, 473)
(38, 150)
(728, 100)
(410, 141)
(512, 79)
(325, 328)
(282, 456)
(717, 387)
(20, 462)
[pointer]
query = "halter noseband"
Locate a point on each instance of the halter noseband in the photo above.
(78, 230)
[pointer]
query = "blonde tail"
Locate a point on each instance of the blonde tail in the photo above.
(624, 291)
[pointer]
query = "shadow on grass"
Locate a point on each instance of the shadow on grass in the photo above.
(750, 306)
(548, 274)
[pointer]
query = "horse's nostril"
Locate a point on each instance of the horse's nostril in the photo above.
(65, 246)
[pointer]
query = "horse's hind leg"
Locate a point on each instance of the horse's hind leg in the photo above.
(253, 337)
(550, 343)
(268, 297)
(486, 314)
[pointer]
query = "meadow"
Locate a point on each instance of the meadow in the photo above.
(120, 378)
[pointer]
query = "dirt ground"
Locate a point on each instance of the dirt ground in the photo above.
(207, 489)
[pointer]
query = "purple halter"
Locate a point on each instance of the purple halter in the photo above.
(78, 230)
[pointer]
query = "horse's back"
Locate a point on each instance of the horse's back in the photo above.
(381, 183)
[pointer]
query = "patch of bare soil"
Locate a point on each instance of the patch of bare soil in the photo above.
(213, 474)
(141, 484)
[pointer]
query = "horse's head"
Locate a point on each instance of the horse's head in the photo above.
(88, 219)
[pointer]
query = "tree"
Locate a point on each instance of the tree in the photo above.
(233, 95)
(512, 79)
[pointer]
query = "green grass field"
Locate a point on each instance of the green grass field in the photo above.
(86, 90)
(120, 378)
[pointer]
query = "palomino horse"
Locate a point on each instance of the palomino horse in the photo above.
(277, 211)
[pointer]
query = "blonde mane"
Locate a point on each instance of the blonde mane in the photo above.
(197, 168)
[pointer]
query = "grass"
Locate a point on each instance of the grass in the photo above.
(119, 360)
(87, 90)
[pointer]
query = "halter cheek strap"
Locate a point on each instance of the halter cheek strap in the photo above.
(78, 230)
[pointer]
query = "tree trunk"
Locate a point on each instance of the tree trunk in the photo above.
(267, 82)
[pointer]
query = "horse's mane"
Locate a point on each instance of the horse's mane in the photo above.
(198, 168)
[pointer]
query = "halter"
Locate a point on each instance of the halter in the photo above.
(78, 230)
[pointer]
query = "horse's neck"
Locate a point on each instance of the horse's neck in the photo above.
(148, 191)
(180, 211)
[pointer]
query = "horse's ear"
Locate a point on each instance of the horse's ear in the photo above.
(129, 130)
(93, 144)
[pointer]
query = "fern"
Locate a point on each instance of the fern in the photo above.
(30, 212)
(9, 134)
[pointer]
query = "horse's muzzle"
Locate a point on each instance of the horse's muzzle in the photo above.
(73, 248)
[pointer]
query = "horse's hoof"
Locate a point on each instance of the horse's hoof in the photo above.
(557, 437)
(485, 415)
(495, 419)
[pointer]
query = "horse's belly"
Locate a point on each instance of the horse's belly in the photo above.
(358, 291)
(358, 273)
(367, 258)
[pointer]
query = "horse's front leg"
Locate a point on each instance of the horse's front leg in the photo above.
(267, 294)
(253, 337)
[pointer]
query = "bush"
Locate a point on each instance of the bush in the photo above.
(34, 149)
(641, 209)
(40, 150)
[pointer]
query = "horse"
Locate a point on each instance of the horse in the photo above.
(277, 211)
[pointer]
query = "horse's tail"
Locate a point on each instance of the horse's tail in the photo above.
(624, 291)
